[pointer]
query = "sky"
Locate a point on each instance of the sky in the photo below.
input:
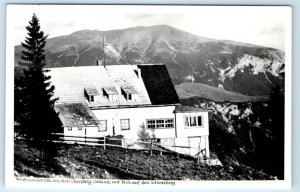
(261, 25)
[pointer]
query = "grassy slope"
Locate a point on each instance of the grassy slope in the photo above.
(189, 90)
(78, 161)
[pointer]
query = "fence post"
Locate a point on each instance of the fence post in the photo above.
(151, 148)
(123, 143)
(199, 151)
(205, 148)
(104, 147)
(189, 145)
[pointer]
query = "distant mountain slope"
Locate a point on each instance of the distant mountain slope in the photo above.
(198, 90)
(239, 67)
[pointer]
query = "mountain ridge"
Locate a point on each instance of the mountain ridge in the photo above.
(239, 67)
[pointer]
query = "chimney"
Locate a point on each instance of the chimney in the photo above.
(138, 72)
(98, 62)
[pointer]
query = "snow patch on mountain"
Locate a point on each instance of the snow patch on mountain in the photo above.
(223, 73)
(169, 45)
(112, 52)
(257, 65)
(276, 67)
(231, 113)
(190, 78)
(225, 52)
(248, 111)
(212, 69)
(61, 49)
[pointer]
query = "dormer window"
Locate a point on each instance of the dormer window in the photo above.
(90, 93)
(128, 92)
(110, 92)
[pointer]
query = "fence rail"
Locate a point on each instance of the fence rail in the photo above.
(148, 144)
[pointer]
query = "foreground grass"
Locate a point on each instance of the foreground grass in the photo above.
(78, 161)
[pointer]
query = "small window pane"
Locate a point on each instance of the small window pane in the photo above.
(102, 126)
(125, 125)
(199, 121)
(187, 122)
(193, 121)
(169, 123)
(150, 123)
(160, 123)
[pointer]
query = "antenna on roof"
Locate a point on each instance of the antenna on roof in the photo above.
(98, 61)
(103, 52)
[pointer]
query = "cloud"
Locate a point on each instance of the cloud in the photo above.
(137, 17)
(251, 24)
(272, 31)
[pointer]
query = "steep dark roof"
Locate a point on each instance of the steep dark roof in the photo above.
(158, 84)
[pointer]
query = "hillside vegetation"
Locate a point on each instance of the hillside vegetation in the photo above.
(199, 90)
(87, 162)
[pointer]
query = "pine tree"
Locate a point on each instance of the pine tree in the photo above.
(39, 119)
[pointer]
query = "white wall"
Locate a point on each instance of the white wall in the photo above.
(186, 136)
(183, 131)
(89, 131)
(188, 145)
(138, 117)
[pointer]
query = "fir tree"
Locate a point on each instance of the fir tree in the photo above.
(38, 119)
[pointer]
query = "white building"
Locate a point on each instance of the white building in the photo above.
(136, 101)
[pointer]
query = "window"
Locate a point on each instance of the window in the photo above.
(128, 92)
(150, 123)
(125, 124)
(102, 125)
(79, 128)
(169, 122)
(193, 121)
(69, 128)
(109, 92)
(160, 123)
(90, 93)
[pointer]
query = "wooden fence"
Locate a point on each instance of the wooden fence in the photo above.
(96, 141)
(151, 145)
